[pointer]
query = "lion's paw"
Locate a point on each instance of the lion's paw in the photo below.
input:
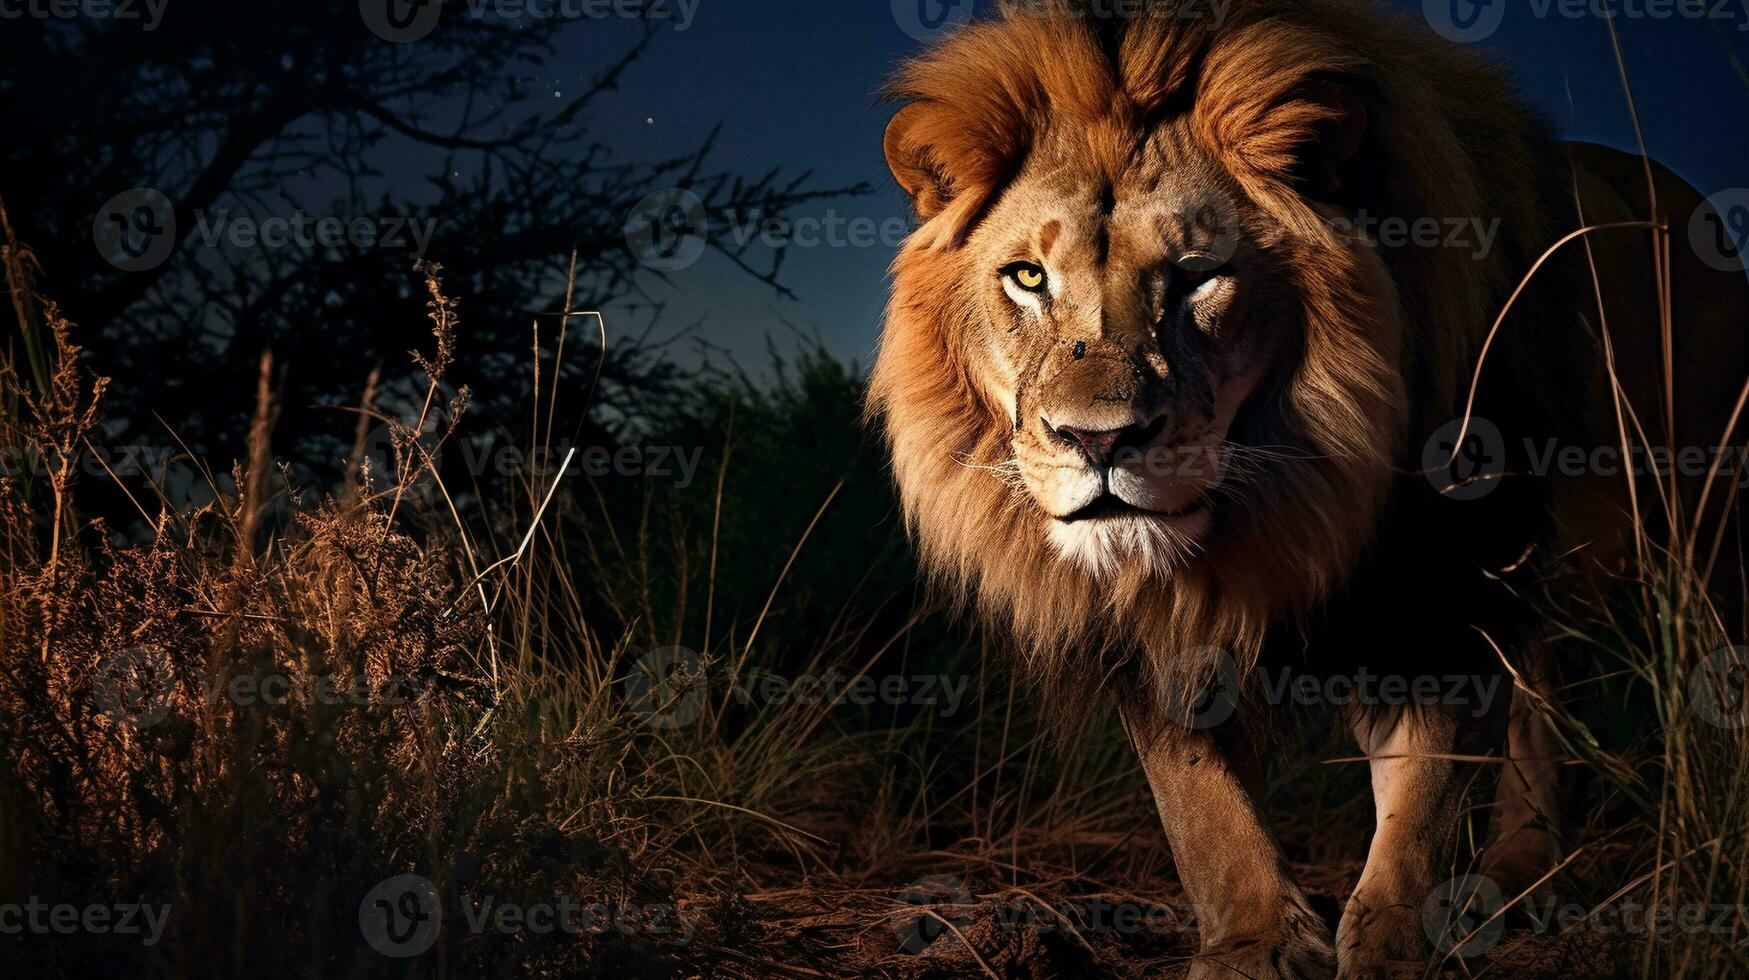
(1300, 952)
(1381, 943)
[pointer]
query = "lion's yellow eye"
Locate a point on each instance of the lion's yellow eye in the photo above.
(1027, 276)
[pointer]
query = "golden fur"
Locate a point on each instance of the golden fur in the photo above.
(978, 101)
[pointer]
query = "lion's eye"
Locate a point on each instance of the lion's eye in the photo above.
(1027, 276)
(1200, 268)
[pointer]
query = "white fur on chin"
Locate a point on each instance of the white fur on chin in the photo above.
(1103, 546)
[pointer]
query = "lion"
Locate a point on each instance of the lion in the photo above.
(1167, 404)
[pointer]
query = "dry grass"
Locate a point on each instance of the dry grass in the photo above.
(485, 735)
(491, 738)
(1659, 727)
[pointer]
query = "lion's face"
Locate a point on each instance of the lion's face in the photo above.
(1126, 318)
(1135, 362)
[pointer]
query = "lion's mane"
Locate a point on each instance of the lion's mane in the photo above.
(1387, 337)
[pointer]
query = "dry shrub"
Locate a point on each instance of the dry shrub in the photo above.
(170, 741)
(255, 726)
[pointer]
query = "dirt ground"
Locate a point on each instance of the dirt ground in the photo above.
(962, 916)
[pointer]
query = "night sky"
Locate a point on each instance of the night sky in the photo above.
(793, 85)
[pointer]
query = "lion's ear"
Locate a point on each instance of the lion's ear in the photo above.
(1333, 158)
(912, 164)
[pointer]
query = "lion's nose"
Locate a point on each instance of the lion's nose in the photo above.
(1099, 446)
(1096, 446)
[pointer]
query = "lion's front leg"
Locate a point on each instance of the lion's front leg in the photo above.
(1528, 799)
(1419, 786)
(1253, 918)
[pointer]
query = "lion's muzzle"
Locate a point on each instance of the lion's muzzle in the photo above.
(1104, 432)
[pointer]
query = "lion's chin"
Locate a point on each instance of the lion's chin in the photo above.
(1105, 544)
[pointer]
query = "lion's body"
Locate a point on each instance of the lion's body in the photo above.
(1319, 367)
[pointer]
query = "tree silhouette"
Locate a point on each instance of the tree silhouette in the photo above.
(232, 114)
